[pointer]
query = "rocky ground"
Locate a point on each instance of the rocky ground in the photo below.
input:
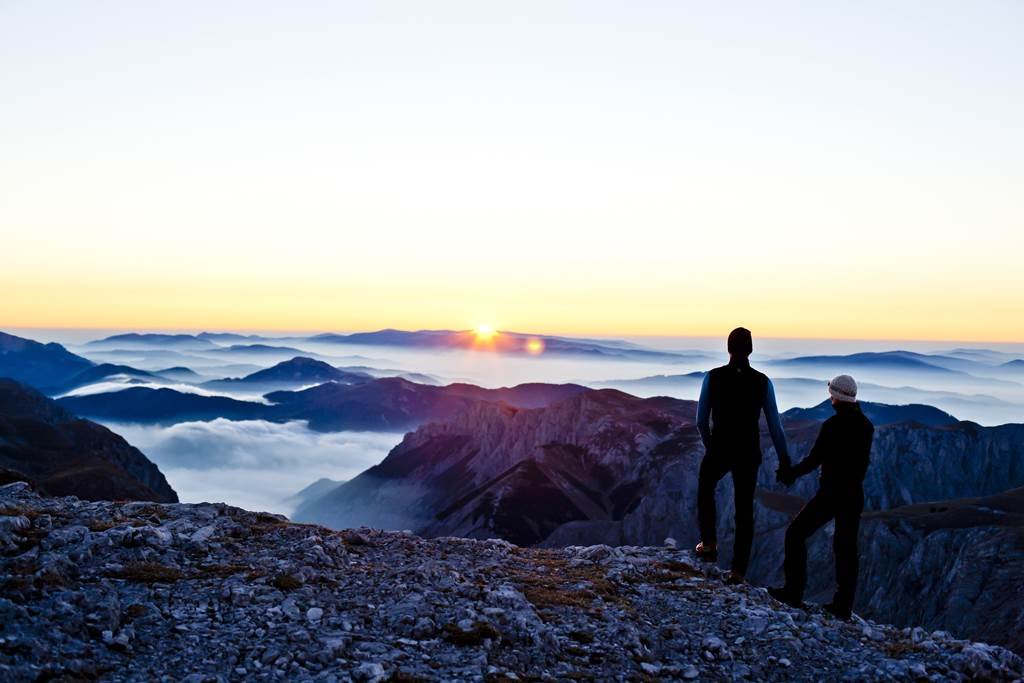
(143, 591)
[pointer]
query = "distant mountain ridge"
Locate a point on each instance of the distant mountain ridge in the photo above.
(385, 404)
(40, 365)
(878, 413)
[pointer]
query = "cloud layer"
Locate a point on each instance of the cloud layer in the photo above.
(253, 464)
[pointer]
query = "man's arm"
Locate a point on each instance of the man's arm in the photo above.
(704, 412)
(771, 414)
(816, 456)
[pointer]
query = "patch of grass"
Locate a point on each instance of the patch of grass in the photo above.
(399, 676)
(51, 579)
(148, 572)
(582, 636)
(480, 632)
(677, 567)
(285, 582)
(901, 648)
(151, 511)
(665, 574)
(222, 570)
(554, 583)
(135, 610)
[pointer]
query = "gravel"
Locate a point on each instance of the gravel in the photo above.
(175, 592)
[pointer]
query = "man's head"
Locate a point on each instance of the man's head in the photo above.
(741, 344)
(842, 389)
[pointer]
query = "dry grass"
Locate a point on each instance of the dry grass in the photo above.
(665, 575)
(554, 583)
(480, 632)
(285, 582)
(222, 570)
(148, 572)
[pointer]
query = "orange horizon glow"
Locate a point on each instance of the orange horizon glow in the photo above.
(368, 174)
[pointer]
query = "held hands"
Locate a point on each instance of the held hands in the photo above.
(785, 474)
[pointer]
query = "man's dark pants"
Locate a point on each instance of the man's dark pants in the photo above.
(743, 468)
(824, 507)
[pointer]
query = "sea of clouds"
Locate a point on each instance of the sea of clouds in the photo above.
(253, 464)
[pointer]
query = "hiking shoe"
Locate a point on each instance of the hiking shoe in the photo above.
(734, 578)
(841, 613)
(784, 596)
(707, 553)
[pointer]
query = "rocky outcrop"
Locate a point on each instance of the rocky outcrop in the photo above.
(63, 455)
(481, 472)
(141, 591)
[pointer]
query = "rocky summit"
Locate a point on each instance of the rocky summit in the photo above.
(147, 591)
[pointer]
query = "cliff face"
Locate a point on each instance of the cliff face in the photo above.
(487, 465)
(606, 467)
(141, 591)
(63, 455)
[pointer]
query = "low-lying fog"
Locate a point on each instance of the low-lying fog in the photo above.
(253, 464)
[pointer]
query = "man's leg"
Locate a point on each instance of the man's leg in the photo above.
(712, 470)
(815, 514)
(744, 480)
(844, 545)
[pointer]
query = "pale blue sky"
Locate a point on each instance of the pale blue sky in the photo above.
(541, 165)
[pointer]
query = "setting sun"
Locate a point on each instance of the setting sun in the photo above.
(485, 332)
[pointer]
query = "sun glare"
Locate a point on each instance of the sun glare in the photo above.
(485, 332)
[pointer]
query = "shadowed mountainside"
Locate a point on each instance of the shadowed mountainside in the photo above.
(63, 455)
(40, 365)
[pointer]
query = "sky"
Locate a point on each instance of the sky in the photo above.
(837, 169)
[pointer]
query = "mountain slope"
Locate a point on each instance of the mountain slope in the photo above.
(64, 455)
(40, 365)
(582, 446)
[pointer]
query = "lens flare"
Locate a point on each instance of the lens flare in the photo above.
(535, 346)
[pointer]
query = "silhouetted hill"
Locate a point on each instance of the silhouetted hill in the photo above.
(295, 372)
(151, 340)
(162, 406)
(63, 455)
(179, 374)
(878, 413)
(258, 350)
(40, 365)
(386, 404)
(393, 403)
(895, 360)
(98, 373)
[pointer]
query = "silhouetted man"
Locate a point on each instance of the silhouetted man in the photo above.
(728, 418)
(841, 450)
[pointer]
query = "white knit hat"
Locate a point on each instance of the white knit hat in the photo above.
(843, 388)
